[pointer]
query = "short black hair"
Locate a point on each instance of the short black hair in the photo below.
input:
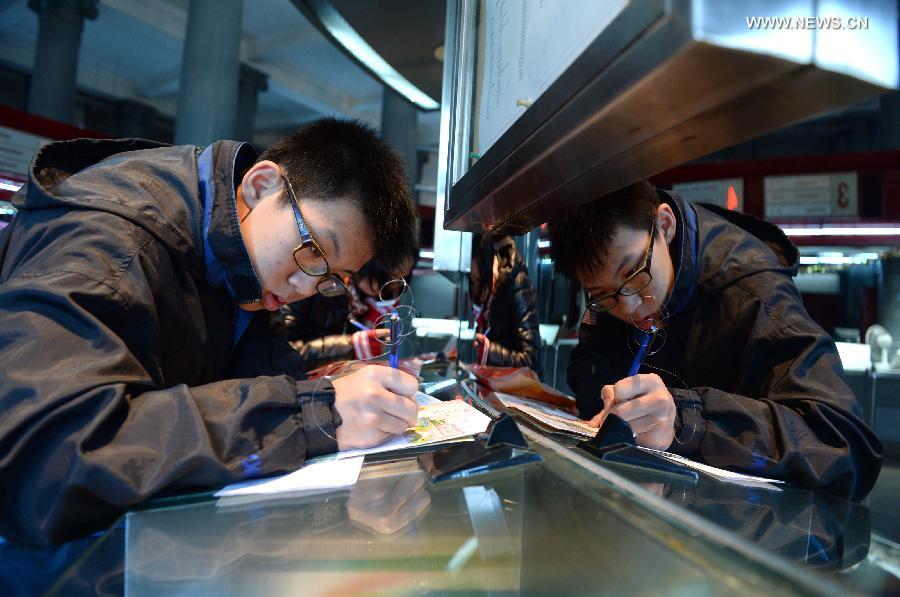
(483, 254)
(580, 239)
(380, 275)
(335, 158)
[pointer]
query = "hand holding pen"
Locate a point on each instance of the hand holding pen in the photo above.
(643, 401)
(375, 403)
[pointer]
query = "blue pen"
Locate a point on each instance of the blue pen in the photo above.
(642, 350)
(395, 321)
(357, 324)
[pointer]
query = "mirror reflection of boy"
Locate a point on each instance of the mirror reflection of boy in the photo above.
(743, 379)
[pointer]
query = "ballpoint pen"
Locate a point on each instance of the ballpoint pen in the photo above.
(395, 321)
(646, 336)
(360, 326)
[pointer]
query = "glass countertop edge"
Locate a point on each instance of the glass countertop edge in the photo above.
(58, 585)
(804, 579)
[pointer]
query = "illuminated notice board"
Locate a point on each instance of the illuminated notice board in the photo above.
(814, 195)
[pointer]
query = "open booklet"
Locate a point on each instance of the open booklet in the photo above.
(546, 417)
(438, 422)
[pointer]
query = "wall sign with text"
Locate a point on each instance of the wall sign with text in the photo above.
(822, 195)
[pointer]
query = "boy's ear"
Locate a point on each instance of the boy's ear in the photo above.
(260, 181)
(666, 221)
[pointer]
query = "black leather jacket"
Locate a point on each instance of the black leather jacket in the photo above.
(758, 385)
(514, 332)
(319, 330)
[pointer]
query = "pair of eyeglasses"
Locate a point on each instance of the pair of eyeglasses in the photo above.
(633, 284)
(309, 256)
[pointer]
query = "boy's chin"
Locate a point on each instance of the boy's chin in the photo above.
(251, 306)
(269, 302)
(647, 322)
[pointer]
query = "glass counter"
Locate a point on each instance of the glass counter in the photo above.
(569, 524)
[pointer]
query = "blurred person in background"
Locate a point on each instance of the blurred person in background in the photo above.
(503, 300)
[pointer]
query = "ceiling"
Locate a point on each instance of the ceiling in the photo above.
(133, 51)
(405, 33)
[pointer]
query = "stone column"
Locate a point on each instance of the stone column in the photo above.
(400, 128)
(252, 82)
(208, 94)
(52, 90)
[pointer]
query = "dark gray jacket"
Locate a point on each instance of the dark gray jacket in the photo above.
(758, 384)
(118, 377)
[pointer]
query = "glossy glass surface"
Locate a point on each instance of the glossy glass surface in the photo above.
(565, 525)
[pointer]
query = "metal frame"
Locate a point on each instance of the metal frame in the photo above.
(452, 249)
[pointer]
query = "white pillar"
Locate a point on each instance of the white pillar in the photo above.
(51, 93)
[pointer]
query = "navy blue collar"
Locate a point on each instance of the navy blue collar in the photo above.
(683, 249)
(224, 253)
(220, 168)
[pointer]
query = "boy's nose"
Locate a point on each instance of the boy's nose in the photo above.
(303, 285)
(628, 304)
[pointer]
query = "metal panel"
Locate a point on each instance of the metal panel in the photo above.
(452, 249)
(663, 84)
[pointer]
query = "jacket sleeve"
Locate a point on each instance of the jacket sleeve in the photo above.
(316, 329)
(88, 429)
(317, 351)
(520, 348)
(798, 420)
(263, 350)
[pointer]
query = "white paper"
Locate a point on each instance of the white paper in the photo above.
(719, 473)
(318, 477)
(423, 399)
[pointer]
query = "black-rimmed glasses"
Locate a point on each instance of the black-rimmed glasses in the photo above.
(633, 284)
(309, 256)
